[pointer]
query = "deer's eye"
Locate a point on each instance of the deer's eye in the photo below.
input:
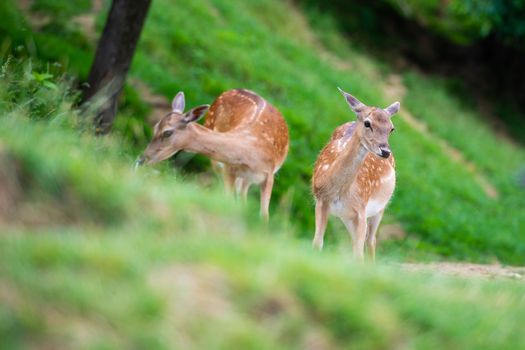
(367, 124)
(167, 134)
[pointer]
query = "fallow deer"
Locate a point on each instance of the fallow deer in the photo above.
(354, 176)
(243, 134)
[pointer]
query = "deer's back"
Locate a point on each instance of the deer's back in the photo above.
(248, 115)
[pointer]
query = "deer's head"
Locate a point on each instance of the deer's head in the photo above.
(170, 134)
(374, 125)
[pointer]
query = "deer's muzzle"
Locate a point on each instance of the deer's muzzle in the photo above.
(140, 161)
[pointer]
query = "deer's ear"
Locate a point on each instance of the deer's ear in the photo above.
(354, 103)
(177, 105)
(195, 113)
(393, 108)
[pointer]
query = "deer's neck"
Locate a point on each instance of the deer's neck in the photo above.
(220, 146)
(347, 166)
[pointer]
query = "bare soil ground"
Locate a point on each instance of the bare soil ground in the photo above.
(469, 270)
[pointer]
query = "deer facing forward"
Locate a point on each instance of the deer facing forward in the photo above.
(244, 135)
(354, 176)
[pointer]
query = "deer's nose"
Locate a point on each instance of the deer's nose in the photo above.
(385, 153)
(140, 160)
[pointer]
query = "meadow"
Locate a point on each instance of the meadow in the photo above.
(96, 255)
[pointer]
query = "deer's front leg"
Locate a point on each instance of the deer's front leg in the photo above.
(321, 219)
(229, 179)
(373, 224)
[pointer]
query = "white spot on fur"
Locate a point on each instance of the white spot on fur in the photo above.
(341, 144)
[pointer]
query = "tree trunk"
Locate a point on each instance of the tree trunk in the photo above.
(112, 60)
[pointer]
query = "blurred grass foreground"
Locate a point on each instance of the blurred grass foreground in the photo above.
(96, 256)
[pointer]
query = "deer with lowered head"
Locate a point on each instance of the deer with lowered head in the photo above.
(243, 134)
(354, 176)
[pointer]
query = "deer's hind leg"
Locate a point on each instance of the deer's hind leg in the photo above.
(356, 227)
(266, 194)
(242, 185)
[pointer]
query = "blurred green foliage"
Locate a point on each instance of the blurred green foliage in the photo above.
(164, 290)
(468, 20)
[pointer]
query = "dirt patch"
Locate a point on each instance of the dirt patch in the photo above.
(160, 106)
(87, 24)
(37, 20)
(469, 270)
(394, 89)
(195, 290)
(393, 231)
(10, 188)
(87, 21)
